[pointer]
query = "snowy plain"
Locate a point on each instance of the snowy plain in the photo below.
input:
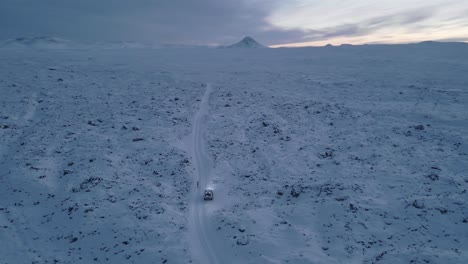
(351, 154)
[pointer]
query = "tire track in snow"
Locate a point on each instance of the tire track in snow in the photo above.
(201, 243)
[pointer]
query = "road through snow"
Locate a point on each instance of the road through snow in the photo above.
(202, 247)
(327, 155)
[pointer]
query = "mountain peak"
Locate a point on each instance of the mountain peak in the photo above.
(248, 38)
(247, 42)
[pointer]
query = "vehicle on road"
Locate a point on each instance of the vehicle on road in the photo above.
(208, 195)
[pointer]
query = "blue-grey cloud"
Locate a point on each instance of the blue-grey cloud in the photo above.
(171, 21)
(369, 26)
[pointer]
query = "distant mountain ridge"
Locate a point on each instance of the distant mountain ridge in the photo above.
(48, 42)
(36, 42)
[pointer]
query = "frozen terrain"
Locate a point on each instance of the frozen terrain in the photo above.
(352, 154)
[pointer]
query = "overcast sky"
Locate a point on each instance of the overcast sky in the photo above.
(211, 22)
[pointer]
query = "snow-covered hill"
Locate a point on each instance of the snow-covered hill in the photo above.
(58, 43)
(247, 43)
(317, 155)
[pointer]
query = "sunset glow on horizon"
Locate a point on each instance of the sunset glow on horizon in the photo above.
(362, 22)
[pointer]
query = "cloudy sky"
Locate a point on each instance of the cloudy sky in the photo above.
(212, 22)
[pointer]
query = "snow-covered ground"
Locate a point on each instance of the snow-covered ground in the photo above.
(316, 155)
